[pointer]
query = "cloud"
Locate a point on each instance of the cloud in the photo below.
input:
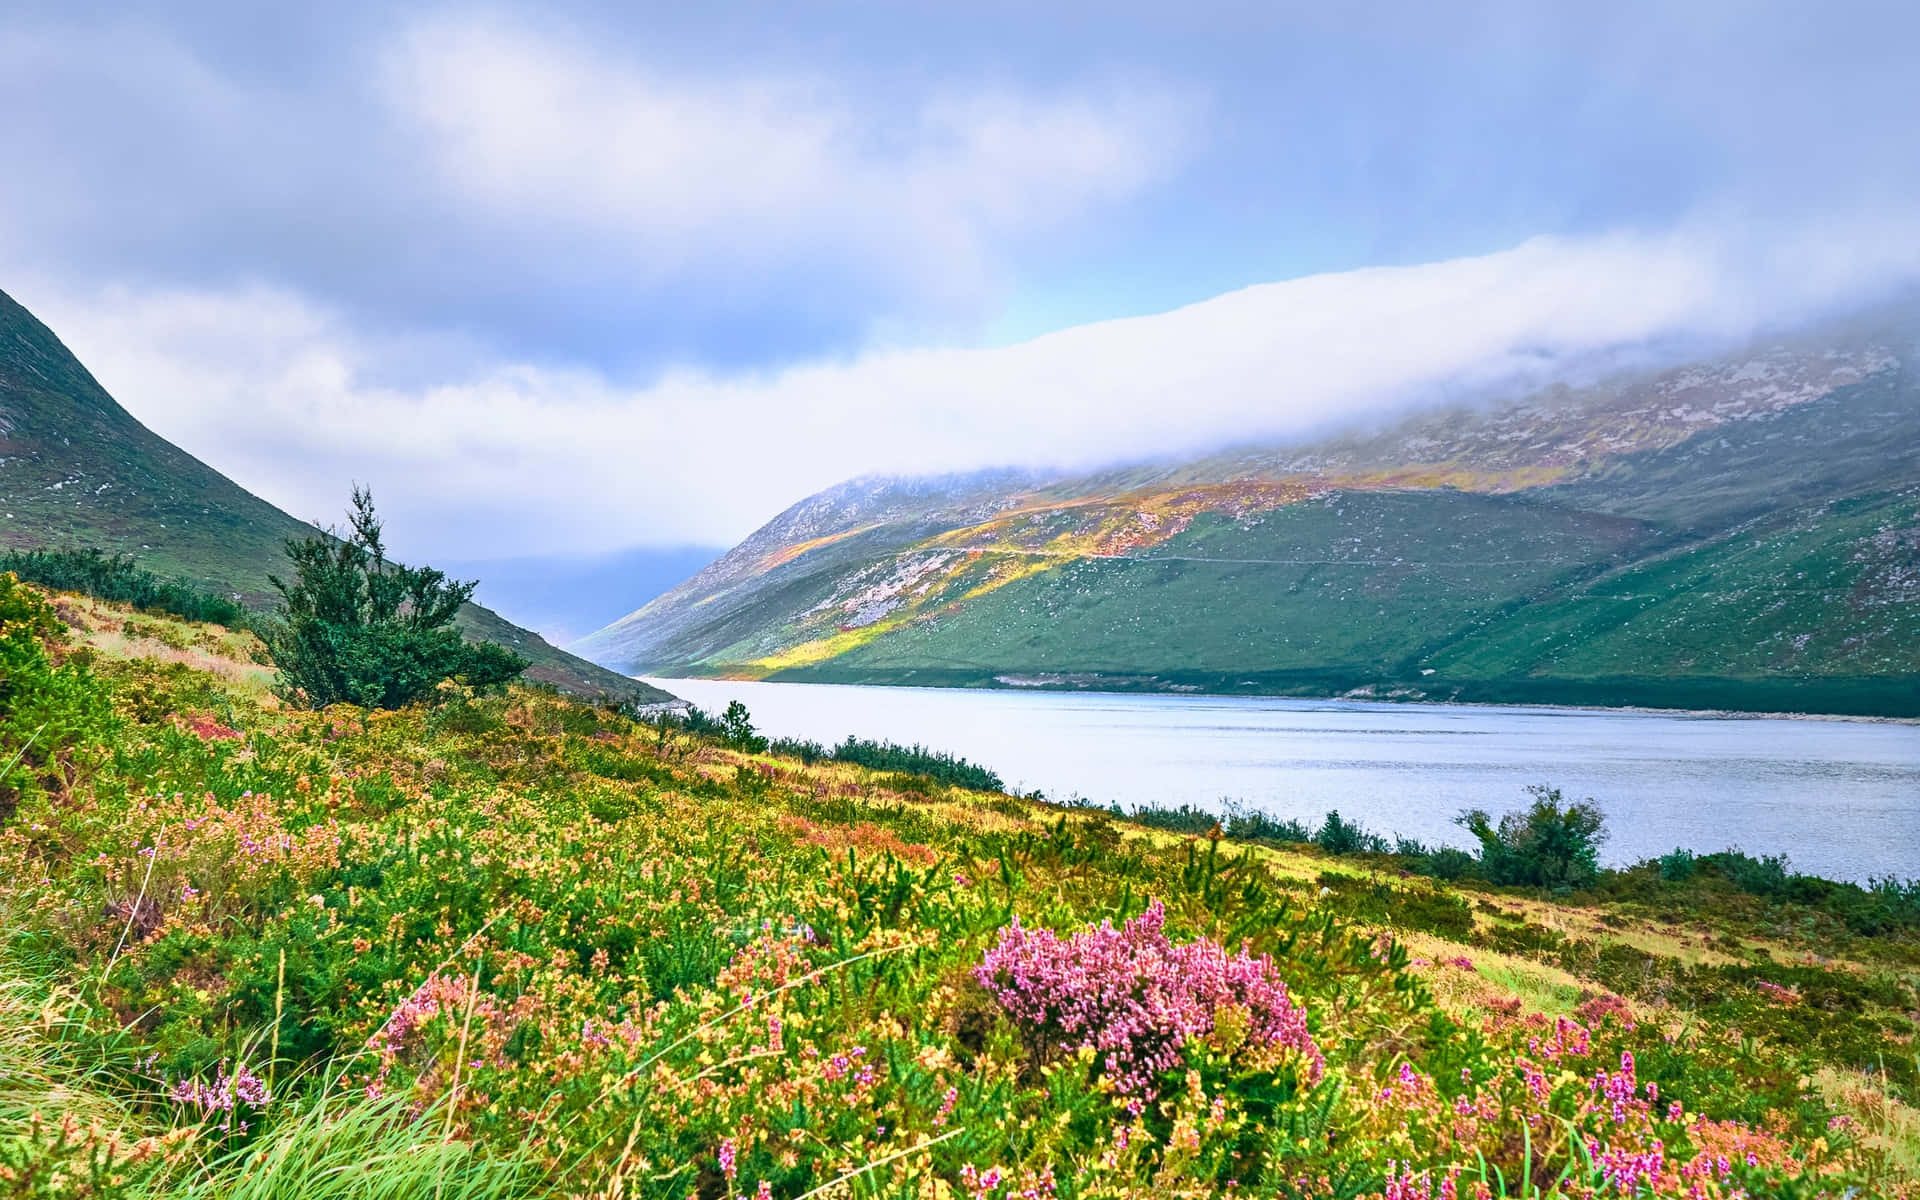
(586, 275)
(664, 177)
(512, 458)
(562, 195)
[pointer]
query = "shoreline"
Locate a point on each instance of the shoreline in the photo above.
(1051, 689)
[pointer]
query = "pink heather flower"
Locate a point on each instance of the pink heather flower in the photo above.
(979, 1184)
(946, 1106)
(224, 1096)
(729, 1166)
(1135, 997)
(1404, 1183)
(1628, 1170)
(1618, 1089)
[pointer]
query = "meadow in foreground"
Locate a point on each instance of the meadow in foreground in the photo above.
(521, 946)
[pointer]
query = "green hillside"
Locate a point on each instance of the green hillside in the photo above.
(76, 470)
(1741, 532)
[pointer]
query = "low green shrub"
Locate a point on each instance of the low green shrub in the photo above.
(1764, 876)
(1551, 844)
(916, 759)
(116, 578)
(50, 701)
(1679, 866)
(1339, 836)
(1184, 819)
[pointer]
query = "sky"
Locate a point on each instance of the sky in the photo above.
(576, 278)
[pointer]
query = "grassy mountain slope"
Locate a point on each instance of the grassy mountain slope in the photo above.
(77, 470)
(1740, 532)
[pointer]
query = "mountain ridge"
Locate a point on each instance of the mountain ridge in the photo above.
(1481, 526)
(78, 470)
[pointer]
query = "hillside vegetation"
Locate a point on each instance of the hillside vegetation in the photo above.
(1742, 533)
(523, 946)
(78, 473)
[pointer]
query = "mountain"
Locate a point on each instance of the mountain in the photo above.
(77, 470)
(1738, 532)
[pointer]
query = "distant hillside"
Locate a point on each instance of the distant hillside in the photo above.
(77, 470)
(1741, 532)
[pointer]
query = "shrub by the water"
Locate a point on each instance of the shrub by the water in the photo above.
(357, 628)
(1251, 825)
(735, 728)
(1186, 818)
(1338, 836)
(916, 759)
(1763, 876)
(1679, 866)
(1550, 844)
(1446, 862)
(1234, 820)
(806, 750)
(116, 578)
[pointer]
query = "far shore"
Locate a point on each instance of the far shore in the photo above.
(1054, 688)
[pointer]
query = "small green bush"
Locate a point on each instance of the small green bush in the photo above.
(1551, 844)
(1765, 876)
(47, 706)
(1184, 819)
(1340, 836)
(916, 759)
(1448, 863)
(736, 729)
(1251, 825)
(807, 751)
(1679, 866)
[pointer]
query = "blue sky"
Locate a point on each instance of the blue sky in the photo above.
(579, 276)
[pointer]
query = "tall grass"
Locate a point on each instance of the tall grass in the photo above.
(340, 1148)
(67, 1113)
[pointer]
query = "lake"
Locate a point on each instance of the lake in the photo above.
(1839, 798)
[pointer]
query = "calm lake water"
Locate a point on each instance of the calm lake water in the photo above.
(1839, 798)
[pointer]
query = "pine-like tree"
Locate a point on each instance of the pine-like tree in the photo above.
(357, 628)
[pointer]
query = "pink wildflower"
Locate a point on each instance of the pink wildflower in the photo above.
(1135, 997)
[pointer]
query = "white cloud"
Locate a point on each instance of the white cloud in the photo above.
(671, 174)
(510, 458)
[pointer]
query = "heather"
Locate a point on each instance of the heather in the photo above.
(514, 944)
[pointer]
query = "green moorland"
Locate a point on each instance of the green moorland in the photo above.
(523, 946)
